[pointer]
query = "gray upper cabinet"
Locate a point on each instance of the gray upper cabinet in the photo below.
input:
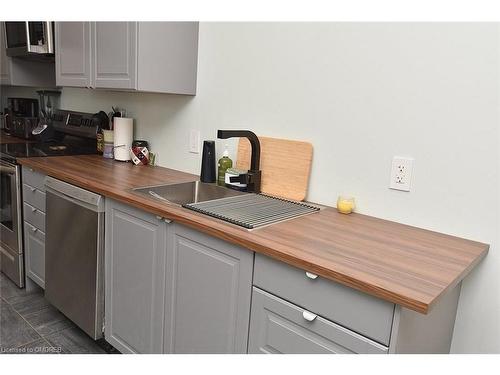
(139, 56)
(209, 284)
(73, 54)
(135, 279)
(115, 54)
(167, 57)
(4, 63)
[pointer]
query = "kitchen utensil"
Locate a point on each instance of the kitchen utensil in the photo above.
(285, 166)
(208, 173)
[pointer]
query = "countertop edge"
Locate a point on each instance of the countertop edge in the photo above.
(189, 219)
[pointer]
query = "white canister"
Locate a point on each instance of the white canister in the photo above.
(124, 133)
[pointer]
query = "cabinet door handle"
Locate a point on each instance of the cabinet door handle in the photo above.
(33, 189)
(34, 230)
(33, 209)
(309, 316)
(311, 275)
(168, 221)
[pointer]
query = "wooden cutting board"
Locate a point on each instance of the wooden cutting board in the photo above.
(285, 165)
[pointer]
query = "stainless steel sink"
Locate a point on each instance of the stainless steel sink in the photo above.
(188, 192)
(248, 210)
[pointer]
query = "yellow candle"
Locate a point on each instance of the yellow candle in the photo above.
(345, 205)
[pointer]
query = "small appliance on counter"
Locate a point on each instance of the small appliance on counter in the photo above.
(21, 117)
(208, 162)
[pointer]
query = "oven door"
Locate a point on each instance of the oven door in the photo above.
(11, 244)
(26, 38)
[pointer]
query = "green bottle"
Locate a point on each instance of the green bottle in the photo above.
(224, 164)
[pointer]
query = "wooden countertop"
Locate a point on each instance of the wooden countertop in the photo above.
(9, 139)
(405, 265)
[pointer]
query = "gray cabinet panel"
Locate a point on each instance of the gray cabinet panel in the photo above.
(4, 59)
(167, 57)
(34, 245)
(278, 326)
(34, 197)
(115, 54)
(33, 178)
(135, 279)
(73, 54)
(208, 294)
(34, 216)
(370, 316)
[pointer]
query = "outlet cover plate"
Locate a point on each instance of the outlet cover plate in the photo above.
(401, 173)
(194, 141)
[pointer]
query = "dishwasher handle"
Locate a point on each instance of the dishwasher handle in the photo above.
(75, 194)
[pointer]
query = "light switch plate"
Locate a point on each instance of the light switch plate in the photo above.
(401, 173)
(194, 141)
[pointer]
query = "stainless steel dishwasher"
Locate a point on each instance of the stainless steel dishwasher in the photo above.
(74, 249)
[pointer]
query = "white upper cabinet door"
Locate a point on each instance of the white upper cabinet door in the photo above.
(115, 55)
(73, 54)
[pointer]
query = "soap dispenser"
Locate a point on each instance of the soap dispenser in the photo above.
(224, 164)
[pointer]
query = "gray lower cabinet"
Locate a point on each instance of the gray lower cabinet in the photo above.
(209, 284)
(73, 55)
(278, 326)
(34, 245)
(34, 224)
(134, 279)
(171, 289)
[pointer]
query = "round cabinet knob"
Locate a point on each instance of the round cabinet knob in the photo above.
(34, 230)
(33, 209)
(311, 275)
(309, 316)
(33, 189)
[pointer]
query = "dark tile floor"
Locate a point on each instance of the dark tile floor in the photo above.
(29, 324)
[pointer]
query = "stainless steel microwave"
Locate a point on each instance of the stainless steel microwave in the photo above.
(29, 38)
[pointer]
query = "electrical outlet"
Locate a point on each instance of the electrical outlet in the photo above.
(194, 141)
(401, 173)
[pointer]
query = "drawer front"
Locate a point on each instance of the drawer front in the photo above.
(34, 243)
(33, 178)
(277, 326)
(34, 197)
(367, 315)
(34, 216)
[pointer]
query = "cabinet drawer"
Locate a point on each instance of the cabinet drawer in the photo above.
(34, 242)
(34, 216)
(34, 197)
(33, 178)
(277, 326)
(367, 315)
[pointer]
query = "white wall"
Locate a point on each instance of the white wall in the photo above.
(361, 93)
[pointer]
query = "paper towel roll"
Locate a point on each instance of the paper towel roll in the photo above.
(124, 134)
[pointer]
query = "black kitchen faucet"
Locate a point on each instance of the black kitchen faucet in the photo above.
(252, 177)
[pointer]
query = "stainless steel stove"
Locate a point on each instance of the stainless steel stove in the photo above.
(67, 133)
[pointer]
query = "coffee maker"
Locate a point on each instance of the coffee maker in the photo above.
(21, 117)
